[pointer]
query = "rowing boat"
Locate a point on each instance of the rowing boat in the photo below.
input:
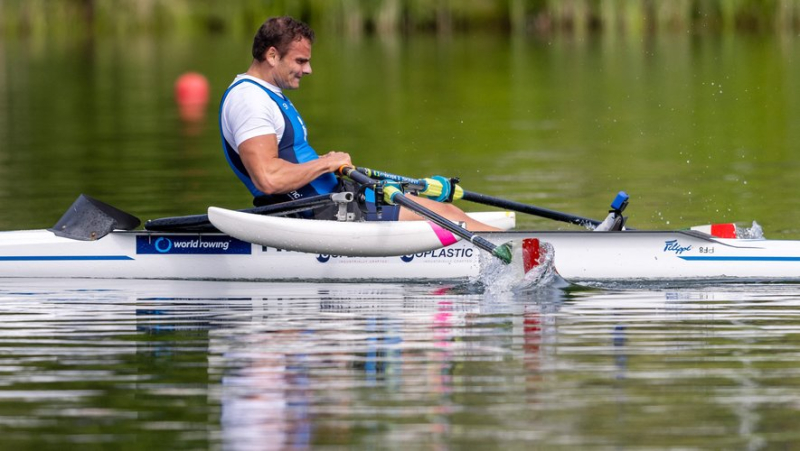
(578, 256)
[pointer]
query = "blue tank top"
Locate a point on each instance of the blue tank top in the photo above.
(293, 147)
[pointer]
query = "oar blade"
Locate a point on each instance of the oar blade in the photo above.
(532, 267)
(504, 252)
(531, 253)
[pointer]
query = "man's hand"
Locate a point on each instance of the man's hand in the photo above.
(335, 160)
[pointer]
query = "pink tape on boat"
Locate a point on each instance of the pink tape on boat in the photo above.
(446, 237)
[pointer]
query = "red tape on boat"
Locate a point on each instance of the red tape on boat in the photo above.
(727, 230)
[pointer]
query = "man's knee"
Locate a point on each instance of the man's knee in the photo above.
(448, 208)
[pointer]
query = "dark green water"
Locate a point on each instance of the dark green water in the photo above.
(696, 129)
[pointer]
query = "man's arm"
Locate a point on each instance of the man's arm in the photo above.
(272, 175)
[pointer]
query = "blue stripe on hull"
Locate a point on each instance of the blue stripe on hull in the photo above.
(743, 259)
(30, 258)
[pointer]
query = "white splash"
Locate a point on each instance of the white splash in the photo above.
(753, 233)
(500, 278)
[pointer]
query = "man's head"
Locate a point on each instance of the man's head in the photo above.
(279, 32)
(282, 49)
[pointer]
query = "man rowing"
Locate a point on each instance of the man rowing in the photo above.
(266, 140)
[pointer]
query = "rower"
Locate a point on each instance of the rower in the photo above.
(266, 141)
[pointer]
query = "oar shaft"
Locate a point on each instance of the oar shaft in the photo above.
(490, 200)
(200, 223)
(436, 188)
(399, 198)
(445, 223)
(372, 173)
(529, 209)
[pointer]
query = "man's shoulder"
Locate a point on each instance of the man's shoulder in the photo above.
(249, 83)
(247, 94)
(248, 101)
(246, 90)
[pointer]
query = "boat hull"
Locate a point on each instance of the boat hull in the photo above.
(578, 257)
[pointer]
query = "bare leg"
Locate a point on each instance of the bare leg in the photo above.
(449, 211)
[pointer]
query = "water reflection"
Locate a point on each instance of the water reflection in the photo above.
(275, 366)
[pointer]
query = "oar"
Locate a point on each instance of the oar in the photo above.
(439, 187)
(529, 209)
(393, 195)
(200, 223)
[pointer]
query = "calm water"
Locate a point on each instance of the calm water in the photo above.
(696, 129)
(268, 366)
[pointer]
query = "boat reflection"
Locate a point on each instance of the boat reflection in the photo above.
(274, 366)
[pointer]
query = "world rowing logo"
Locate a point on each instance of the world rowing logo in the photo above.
(163, 245)
(190, 244)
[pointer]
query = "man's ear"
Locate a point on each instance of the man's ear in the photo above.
(272, 56)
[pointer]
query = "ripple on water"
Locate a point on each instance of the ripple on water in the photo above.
(238, 364)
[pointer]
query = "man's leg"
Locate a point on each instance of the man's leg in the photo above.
(449, 211)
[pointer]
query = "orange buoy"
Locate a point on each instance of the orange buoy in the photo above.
(191, 88)
(191, 95)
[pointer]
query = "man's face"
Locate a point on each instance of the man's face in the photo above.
(295, 64)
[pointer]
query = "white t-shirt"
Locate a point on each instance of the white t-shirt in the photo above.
(248, 111)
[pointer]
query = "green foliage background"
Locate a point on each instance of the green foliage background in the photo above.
(40, 17)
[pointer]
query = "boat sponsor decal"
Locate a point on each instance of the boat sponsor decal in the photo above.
(676, 247)
(347, 260)
(190, 244)
(450, 253)
(441, 253)
(741, 259)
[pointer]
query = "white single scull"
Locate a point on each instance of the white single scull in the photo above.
(579, 256)
(85, 244)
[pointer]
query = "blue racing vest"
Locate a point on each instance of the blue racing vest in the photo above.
(293, 147)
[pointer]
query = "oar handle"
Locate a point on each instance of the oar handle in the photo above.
(372, 173)
(437, 187)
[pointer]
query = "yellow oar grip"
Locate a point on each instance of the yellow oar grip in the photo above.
(433, 188)
(389, 191)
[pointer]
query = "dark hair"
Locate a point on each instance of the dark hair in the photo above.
(279, 32)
